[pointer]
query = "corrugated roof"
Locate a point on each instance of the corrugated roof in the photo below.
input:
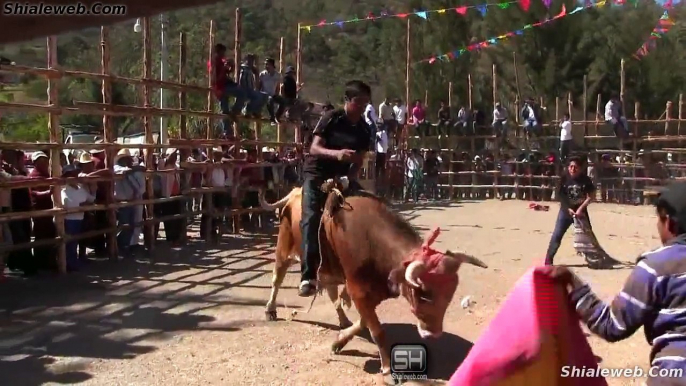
(16, 28)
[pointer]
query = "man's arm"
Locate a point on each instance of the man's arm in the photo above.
(628, 310)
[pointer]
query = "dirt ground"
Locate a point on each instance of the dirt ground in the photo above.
(196, 316)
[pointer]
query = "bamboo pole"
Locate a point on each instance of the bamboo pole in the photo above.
(183, 128)
(668, 113)
(237, 60)
(681, 106)
(55, 159)
(450, 94)
(279, 127)
(210, 82)
(147, 70)
(597, 114)
(109, 137)
(469, 89)
(584, 107)
(634, 146)
(298, 56)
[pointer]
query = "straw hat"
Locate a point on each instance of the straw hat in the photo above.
(36, 155)
(122, 154)
(169, 151)
(85, 158)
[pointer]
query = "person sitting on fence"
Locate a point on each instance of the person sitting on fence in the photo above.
(400, 112)
(463, 125)
(419, 119)
(126, 189)
(73, 195)
(225, 87)
(652, 297)
(443, 124)
(615, 117)
(268, 83)
(247, 81)
(500, 121)
(528, 114)
(388, 117)
(289, 93)
(575, 194)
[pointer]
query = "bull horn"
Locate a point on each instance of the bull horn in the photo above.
(462, 258)
(412, 272)
(277, 205)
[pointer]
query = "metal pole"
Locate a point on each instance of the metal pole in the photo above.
(163, 74)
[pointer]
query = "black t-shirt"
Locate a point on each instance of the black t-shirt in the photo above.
(573, 191)
(290, 88)
(431, 166)
(444, 114)
(338, 134)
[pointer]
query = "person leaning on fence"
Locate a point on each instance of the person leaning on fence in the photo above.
(215, 177)
(73, 195)
(86, 167)
(126, 189)
(171, 187)
(575, 194)
(43, 227)
(653, 297)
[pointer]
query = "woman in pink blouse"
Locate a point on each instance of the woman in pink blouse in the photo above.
(418, 116)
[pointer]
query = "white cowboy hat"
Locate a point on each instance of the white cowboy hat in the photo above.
(169, 151)
(85, 158)
(121, 154)
(36, 155)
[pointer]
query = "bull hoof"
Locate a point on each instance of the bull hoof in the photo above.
(343, 324)
(336, 347)
(388, 379)
(270, 315)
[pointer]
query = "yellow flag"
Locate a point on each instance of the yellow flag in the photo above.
(441, 11)
(600, 3)
(308, 28)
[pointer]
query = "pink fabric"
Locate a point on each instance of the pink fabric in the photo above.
(418, 113)
(531, 308)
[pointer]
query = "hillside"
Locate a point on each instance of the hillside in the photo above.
(552, 59)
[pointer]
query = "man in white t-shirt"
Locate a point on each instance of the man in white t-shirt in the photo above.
(614, 116)
(565, 137)
(73, 195)
(381, 150)
(400, 113)
(269, 80)
(372, 119)
(387, 117)
(413, 176)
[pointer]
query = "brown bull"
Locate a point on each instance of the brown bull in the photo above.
(377, 255)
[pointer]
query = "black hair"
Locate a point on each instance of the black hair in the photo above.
(219, 47)
(567, 115)
(270, 61)
(663, 210)
(575, 159)
(356, 88)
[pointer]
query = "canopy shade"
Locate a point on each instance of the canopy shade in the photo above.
(17, 28)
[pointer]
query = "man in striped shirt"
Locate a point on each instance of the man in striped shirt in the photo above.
(653, 297)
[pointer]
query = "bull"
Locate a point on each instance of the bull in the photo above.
(377, 255)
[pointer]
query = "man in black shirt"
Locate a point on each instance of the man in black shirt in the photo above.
(289, 92)
(443, 119)
(575, 194)
(340, 141)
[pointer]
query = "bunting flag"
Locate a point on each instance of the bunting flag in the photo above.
(423, 14)
(496, 39)
(663, 26)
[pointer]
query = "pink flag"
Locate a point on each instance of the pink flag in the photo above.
(461, 10)
(525, 4)
(548, 338)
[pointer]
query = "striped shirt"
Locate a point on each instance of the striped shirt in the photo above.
(654, 296)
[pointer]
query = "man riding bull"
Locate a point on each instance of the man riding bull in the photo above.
(340, 141)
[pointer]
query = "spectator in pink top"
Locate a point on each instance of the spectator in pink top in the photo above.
(418, 117)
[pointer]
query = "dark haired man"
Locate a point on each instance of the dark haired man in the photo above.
(269, 80)
(653, 297)
(340, 141)
(224, 85)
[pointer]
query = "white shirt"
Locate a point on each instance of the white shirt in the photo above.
(127, 188)
(499, 114)
(412, 165)
(218, 178)
(72, 197)
(566, 131)
(370, 115)
(611, 111)
(386, 111)
(269, 82)
(381, 141)
(400, 112)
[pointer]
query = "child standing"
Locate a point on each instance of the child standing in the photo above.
(73, 195)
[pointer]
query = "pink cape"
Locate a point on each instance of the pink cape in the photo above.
(534, 335)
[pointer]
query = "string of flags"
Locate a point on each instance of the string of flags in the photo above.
(461, 10)
(663, 26)
(496, 39)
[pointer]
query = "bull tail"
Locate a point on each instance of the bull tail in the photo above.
(277, 205)
(464, 258)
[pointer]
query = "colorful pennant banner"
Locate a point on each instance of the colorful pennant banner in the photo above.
(424, 14)
(496, 39)
(663, 26)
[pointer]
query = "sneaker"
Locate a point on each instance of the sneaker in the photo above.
(307, 288)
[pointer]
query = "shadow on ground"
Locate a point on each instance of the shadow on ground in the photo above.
(53, 328)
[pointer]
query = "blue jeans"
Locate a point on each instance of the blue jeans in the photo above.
(256, 101)
(125, 216)
(530, 125)
(231, 90)
(72, 228)
(563, 222)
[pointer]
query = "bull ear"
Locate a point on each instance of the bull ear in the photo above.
(395, 278)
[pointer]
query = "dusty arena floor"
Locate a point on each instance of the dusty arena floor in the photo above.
(196, 317)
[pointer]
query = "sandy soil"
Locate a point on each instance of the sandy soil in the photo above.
(196, 316)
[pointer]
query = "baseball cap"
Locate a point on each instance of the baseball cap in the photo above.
(674, 196)
(39, 154)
